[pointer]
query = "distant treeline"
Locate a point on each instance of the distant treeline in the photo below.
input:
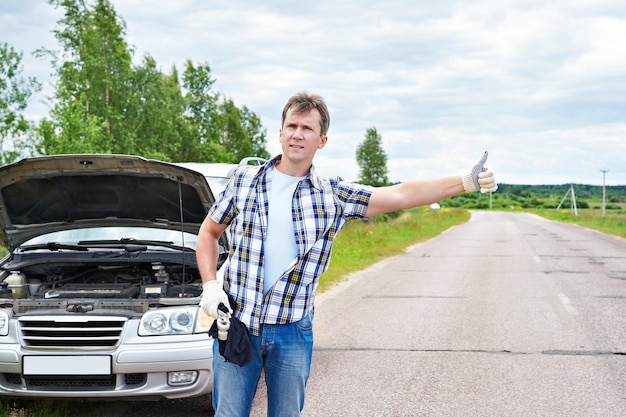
(543, 196)
(614, 193)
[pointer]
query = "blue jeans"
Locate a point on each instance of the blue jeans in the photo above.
(284, 351)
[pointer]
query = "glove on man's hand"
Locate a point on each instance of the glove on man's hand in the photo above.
(212, 295)
(480, 178)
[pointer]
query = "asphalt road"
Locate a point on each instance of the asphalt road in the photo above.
(506, 315)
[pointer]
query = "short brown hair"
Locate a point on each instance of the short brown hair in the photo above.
(304, 103)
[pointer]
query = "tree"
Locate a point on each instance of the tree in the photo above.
(15, 91)
(105, 104)
(372, 160)
(202, 109)
(255, 132)
(92, 97)
(160, 127)
(242, 134)
(226, 132)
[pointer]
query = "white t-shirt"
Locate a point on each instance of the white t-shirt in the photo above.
(280, 241)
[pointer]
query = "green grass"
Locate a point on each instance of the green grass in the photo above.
(612, 224)
(38, 408)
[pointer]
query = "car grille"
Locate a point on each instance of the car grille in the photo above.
(67, 332)
(76, 382)
(65, 383)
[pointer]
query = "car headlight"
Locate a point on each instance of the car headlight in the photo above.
(172, 321)
(4, 323)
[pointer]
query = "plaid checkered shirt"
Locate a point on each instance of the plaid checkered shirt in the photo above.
(320, 208)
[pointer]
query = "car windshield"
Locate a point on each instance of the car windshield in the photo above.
(115, 234)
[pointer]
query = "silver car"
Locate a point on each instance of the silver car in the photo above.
(218, 174)
(99, 292)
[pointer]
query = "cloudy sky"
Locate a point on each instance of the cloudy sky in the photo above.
(540, 84)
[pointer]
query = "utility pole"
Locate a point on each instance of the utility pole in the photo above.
(573, 208)
(604, 171)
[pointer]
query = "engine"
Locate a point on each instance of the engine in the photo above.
(111, 281)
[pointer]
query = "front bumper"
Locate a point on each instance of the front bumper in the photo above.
(153, 368)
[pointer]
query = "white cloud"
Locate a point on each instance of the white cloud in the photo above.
(539, 84)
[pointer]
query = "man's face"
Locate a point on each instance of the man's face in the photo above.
(300, 136)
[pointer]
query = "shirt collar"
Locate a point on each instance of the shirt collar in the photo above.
(312, 176)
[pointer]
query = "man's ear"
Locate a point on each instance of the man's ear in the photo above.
(322, 142)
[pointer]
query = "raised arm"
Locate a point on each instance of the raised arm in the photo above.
(422, 192)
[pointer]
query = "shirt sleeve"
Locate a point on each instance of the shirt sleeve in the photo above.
(354, 198)
(225, 210)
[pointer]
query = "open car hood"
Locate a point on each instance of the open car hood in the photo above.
(51, 193)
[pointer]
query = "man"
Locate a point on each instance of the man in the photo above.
(283, 219)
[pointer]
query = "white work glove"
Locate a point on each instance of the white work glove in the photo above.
(212, 295)
(480, 178)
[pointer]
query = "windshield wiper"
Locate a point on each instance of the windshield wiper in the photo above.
(54, 246)
(130, 242)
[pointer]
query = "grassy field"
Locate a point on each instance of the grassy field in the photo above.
(612, 224)
(40, 408)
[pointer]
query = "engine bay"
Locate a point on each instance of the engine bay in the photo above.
(111, 281)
